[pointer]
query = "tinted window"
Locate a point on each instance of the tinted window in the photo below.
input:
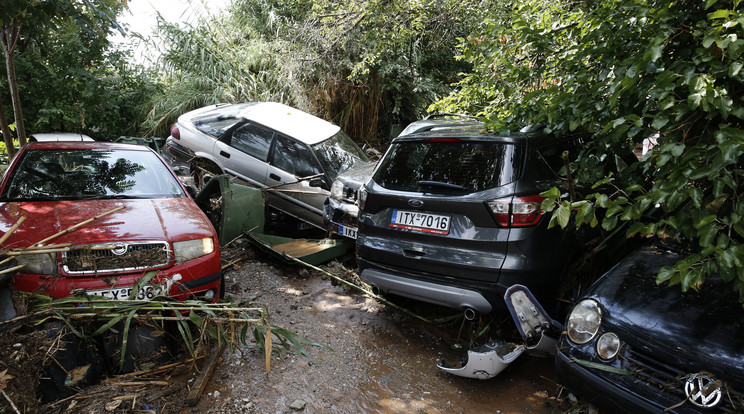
(252, 139)
(468, 165)
(90, 174)
(294, 157)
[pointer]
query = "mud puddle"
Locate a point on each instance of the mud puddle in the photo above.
(374, 359)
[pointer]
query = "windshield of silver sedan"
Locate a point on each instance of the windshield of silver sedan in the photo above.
(339, 154)
(87, 174)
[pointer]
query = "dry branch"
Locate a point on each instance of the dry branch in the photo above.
(81, 224)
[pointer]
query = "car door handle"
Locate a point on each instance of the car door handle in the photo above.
(275, 177)
(225, 154)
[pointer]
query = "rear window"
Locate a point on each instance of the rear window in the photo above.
(446, 166)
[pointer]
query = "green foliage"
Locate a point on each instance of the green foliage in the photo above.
(70, 79)
(625, 70)
(366, 65)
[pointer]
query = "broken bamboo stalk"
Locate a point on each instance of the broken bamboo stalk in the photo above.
(11, 269)
(201, 381)
(137, 383)
(81, 224)
(12, 229)
(239, 259)
(161, 368)
(10, 402)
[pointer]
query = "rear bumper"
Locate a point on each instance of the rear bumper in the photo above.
(436, 293)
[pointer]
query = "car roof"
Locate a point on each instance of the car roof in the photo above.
(96, 145)
(59, 136)
(468, 131)
(290, 121)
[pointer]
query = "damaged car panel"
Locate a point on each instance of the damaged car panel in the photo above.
(484, 362)
(137, 219)
(341, 209)
(631, 345)
(452, 216)
(291, 154)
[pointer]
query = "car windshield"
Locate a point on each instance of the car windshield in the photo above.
(447, 166)
(84, 174)
(339, 154)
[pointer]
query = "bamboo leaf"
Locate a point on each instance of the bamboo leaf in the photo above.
(602, 367)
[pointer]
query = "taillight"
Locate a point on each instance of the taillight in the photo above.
(175, 132)
(518, 211)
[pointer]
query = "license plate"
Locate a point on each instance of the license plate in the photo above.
(347, 231)
(146, 292)
(425, 222)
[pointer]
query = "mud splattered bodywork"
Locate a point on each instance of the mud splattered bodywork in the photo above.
(633, 346)
(144, 222)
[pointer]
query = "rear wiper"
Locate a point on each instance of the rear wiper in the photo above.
(441, 185)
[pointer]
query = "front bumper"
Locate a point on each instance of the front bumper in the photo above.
(187, 280)
(598, 388)
(340, 217)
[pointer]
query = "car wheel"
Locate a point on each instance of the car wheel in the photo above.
(202, 172)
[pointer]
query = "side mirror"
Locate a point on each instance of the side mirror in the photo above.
(191, 190)
(318, 182)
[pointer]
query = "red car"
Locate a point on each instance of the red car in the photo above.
(108, 214)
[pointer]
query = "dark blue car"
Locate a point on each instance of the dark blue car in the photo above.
(632, 346)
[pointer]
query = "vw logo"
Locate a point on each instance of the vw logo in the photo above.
(415, 203)
(119, 249)
(703, 390)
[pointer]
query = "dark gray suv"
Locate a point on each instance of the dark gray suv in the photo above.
(452, 216)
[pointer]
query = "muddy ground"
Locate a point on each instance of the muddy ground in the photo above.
(375, 358)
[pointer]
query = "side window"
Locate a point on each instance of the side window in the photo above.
(252, 139)
(294, 157)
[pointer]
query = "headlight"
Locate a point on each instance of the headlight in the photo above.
(337, 190)
(362, 198)
(192, 249)
(41, 264)
(583, 322)
(608, 345)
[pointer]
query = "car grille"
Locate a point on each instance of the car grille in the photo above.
(670, 381)
(116, 257)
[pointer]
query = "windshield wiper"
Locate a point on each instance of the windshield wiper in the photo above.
(442, 186)
(113, 197)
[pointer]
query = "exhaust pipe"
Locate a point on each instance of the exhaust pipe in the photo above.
(376, 290)
(470, 314)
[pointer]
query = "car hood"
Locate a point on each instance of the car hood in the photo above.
(358, 176)
(692, 330)
(170, 219)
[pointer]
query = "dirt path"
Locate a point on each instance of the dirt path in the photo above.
(379, 359)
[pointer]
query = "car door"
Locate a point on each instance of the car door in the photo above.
(290, 162)
(245, 151)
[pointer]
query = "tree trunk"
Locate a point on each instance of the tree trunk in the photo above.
(10, 37)
(6, 132)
